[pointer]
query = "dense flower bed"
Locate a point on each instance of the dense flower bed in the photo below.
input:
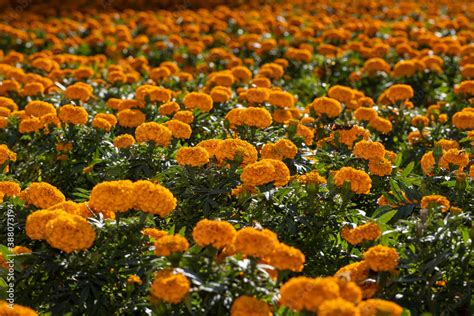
(287, 158)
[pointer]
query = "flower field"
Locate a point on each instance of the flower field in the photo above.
(237, 158)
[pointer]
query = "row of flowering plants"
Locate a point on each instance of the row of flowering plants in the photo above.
(288, 158)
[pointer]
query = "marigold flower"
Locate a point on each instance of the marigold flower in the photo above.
(16, 310)
(192, 156)
(39, 108)
(113, 196)
(130, 118)
(463, 119)
(168, 108)
(79, 91)
(256, 243)
(374, 307)
(337, 307)
(341, 93)
(10, 188)
(232, 149)
(258, 95)
(153, 198)
(327, 106)
(381, 258)
(349, 290)
(355, 236)
(380, 167)
(6, 154)
(369, 150)
(265, 171)
(218, 234)
(178, 129)
(381, 125)
(69, 232)
(356, 272)
(210, 145)
(170, 286)
(454, 157)
(306, 294)
(169, 244)
(465, 87)
(306, 133)
(184, 116)
(359, 180)
(281, 116)
(197, 100)
(124, 141)
(248, 305)
(42, 195)
(399, 92)
(365, 114)
(32, 89)
(134, 279)
(285, 257)
(36, 223)
(282, 149)
(404, 68)
(153, 132)
(71, 207)
(430, 201)
(73, 114)
(154, 233)
(255, 117)
(281, 99)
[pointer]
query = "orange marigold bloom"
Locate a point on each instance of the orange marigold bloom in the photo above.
(233, 149)
(184, 116)
(307, 294)
(248, 305)
(192, 156)
(218, 234)
(169, 244)
(130, 118)
(124, 141)
(381, 125)
(380, 167)
(454, 157)
(71, 114)
(168, 108)
(355, 236)
(9, 188)
(404, 68)
(39, 108)
(210, 145)
(306, 133)
(365, 114)
(369, 150)
(36, 223)
(113, 196)
(258, 95)
(153, 132)
(282, 149)
(16, 310)
(169, 286)
(79, 91)
(42, 195)
(337, 307)
(197, 100)
(430, 201)
(399, 92)
(463, 119)
(154, 233)
(381, 258)
(178, 129)
(285, 257)
(281, 116)
(374, 307)
(465, 87)
(6, 154)
(357, 272)
(265, 171)
(327, 106)
(153, 198)
(359, 180)
(281, 99)
(69, 233)
(256, 243)
(255, 117)
(341, 93)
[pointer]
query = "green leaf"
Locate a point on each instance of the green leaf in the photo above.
(385, 218)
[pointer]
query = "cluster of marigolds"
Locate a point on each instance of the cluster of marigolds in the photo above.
(155, 79)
